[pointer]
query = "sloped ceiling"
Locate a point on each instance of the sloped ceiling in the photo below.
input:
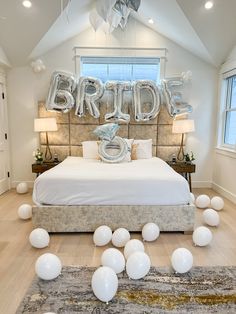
(27, 34)
(21, 29)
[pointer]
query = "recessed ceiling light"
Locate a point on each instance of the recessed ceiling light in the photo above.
(150, 21)
(208, 5)
(27, 3)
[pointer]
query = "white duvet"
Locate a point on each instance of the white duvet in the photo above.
(78, 181)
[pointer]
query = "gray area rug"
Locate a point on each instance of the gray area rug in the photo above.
(202, 290)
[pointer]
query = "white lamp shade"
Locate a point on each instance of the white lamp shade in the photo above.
(183, 126)
(45, 125)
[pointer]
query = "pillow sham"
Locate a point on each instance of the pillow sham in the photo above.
(90, 149)
(143, 150)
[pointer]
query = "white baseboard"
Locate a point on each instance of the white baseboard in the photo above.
(14, 183)
(201, 184)
(230, 196)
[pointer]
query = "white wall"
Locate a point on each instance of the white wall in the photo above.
(25, 88)
(3, 58)
(224, 174)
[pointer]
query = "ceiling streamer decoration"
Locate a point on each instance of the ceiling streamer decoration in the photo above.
(110, 14)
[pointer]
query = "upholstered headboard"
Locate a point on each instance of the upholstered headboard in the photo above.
(73, 130)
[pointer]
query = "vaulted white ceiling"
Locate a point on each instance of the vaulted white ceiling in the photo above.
(29, 33)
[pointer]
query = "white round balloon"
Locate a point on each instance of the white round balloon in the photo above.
(132, 246)
(102, 235)
(182, 260)
(203, 201)
(138, 265)
(217, 203)
(48, 266)
(22, 188)
(114, 259)
(202, 236)
(104, 283)
(39, 238)
(120, 237)
(150, 232)
(25, 211)
(192, 198)
(211, 217)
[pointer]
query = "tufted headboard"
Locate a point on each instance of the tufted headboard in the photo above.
(73, 130)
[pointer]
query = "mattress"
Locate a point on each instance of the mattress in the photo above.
(79, 181)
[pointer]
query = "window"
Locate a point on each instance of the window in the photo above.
(229, 136)
(121, 68)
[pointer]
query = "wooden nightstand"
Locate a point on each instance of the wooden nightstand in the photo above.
(184, 169)
(40, 168)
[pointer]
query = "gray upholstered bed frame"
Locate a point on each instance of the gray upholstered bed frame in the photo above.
(88, 218)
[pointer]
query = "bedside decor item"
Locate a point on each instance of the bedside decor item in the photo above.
(114, 259)
(38, 156)
(182, 126)
(48, 266)
(202, 236)
(102, 236)
(150, 232)
(22, 188)
(39, 238)
(46, 125)
(217, 203)
(194, 292)
(138, 265)
(104, 283)
(120, 237)
(211, 217)
(203, 201)
(25, 211)
(189, 158)
(182, 260)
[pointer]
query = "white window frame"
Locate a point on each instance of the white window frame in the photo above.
(160, 53)
(222, 147)
(126, 60)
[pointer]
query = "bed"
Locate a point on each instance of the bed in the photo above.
(80, 194)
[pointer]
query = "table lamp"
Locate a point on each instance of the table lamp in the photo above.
(182, 126)
(46, 125)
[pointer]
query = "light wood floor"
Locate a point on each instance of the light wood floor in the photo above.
(17, 257)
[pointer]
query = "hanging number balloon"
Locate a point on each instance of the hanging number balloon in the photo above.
(60, 96)
(138, 87)
(118, 89)
(90, 89)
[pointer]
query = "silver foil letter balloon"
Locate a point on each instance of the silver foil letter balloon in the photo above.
(173, 100)
(150, 86)
(113, 151)
(90, 89)
(60, 96)
(118, 88)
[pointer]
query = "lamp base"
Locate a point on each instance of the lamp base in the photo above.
(180, 155)
(48, 154)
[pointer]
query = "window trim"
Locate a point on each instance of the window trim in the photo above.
(226, 73)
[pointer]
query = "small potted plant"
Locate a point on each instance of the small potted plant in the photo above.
(38, 156)
(189, 158)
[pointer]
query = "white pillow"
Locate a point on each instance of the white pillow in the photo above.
(90, 150)
(144, 149)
